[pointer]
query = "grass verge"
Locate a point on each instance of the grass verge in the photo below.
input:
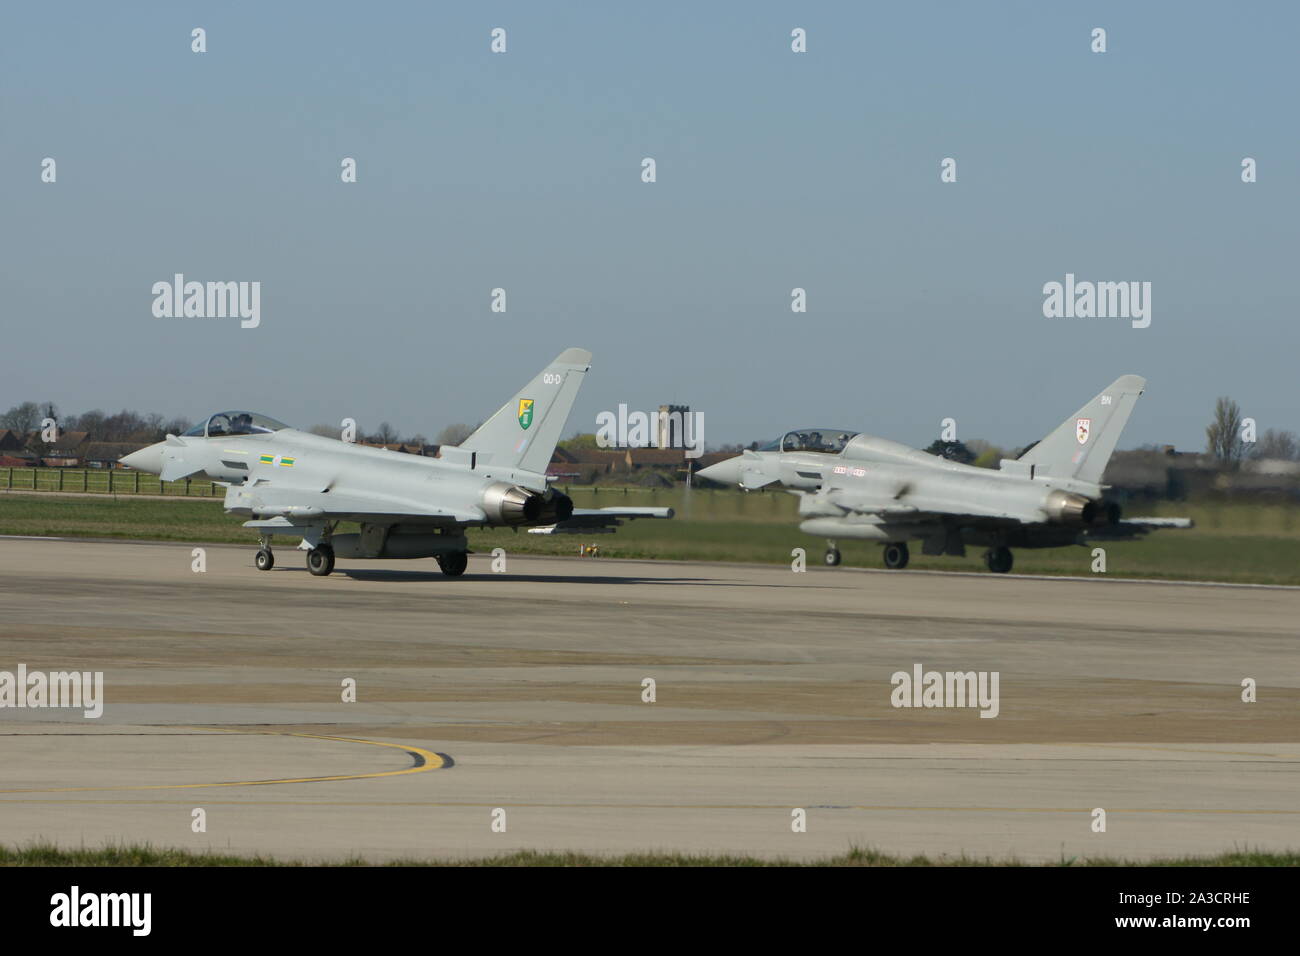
(1251, 543)
(46, 854)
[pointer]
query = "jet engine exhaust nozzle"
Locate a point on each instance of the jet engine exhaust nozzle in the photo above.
(510, 504)
(556, 507)
(1066, 508)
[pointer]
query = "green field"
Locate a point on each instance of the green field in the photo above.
(50, 855)
(1236, 542)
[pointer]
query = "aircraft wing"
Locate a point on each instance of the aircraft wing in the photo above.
(892, 512)
(1161, 522)
(306, 506)
(867, 505)
(600, 520)
(1136, 527)
(888, 506)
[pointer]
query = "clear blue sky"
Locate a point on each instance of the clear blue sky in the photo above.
(775, 170)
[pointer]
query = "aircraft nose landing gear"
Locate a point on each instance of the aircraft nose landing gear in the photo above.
(265, 559)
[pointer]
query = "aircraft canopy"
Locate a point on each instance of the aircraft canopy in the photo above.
(235, 423)
(828, 441)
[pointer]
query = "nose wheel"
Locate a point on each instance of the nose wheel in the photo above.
(896, 555)
(320, 560)
(998, 560)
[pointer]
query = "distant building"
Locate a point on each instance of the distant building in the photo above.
(637, 458)
(1172, 474)
(670, 426)
(109, 454)
(407, 448)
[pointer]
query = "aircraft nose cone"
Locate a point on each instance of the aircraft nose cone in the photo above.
(146, 459)
(724, 472)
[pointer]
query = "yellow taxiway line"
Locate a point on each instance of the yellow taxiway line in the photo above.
(426, 760)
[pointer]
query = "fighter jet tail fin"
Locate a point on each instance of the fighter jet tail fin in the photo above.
(524, 431)
(1081, 445)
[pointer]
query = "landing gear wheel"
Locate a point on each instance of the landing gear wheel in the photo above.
(896, 555)
(999, 560)
(453, 565)
(833, 556)
(320, 560)
(265, 560)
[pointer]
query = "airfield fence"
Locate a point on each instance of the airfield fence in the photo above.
(107, 481)
(718, 503)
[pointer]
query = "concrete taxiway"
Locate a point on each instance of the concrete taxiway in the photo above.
(524, 691)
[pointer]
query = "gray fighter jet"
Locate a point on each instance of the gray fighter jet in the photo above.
(858, 486)
(295, 483)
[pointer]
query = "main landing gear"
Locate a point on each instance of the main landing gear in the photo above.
(999, 559)
(453, 564)
(896, 555)
(320, 560)
(833, 556)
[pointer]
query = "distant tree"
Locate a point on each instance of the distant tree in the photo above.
(176, 426)
(90, 422)
(22, 418)
(417, 439)
(580, 440)
(1277, 444)
(1223, 435)
(128, 425)
(385, 434)
(987, 455)
(952, 450)
(453, 434)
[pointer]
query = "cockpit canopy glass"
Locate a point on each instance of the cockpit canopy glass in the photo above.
(235, 423)
(828, 441)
